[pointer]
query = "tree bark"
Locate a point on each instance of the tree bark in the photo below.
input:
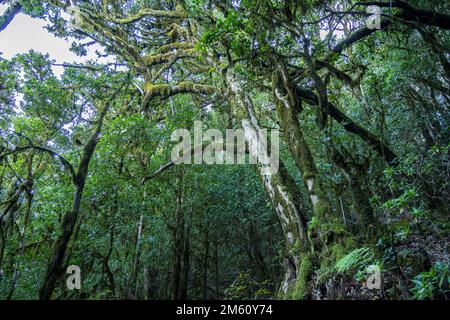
(28, 189)
(181, 247)
(286, 106)
(205, 264)
(279, 186)
(14, 8)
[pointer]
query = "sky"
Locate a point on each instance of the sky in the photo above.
(25, 33)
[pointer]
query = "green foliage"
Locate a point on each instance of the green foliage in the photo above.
(244, 287)
(300, 290)
(356, 259)
(432, 284)
(138, 226)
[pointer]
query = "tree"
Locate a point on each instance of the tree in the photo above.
(85, 167)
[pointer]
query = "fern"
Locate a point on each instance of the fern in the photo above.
(354, 259)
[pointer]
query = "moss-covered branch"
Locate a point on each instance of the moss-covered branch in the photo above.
(166, 90)
(168, 57)
(147, 12)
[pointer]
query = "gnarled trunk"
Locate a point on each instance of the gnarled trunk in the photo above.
(286, 106)
(282, 192)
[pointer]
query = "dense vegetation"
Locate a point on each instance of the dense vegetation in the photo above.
(86, 176)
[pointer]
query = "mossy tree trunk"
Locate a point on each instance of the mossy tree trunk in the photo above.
(28, 190)
(286, 106)
(280, 188)
(180, 269)
(57, 264)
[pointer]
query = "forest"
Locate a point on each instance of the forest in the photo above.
(354, 94)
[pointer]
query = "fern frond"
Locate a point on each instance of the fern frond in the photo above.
(355, 259)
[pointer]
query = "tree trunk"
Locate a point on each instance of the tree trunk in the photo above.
(137, 255)
(28, 186)
(281, 190)
(7, 216)
(216, 261)
(56, 265)
(205, 264)
(286, 103)
(181, 247)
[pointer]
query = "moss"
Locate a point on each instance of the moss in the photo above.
(337, 251)
(307, 175)
(174, 46)
(298, 247)
(331, 255)
(321, 209)
(168, 56)
(328, 259)
(299, 291)
(157, 89)
(332, 230)
(349, 243)
(179, 12)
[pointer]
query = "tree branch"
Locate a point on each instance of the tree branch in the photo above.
(385, 152)
(176, 14)
(14, 8)
(440, 20)
(63, 160)
(158, 172)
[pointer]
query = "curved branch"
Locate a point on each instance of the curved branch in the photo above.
(168, 57)
(176, 14)
(166, 90)
(63, 160)
(158, 172)
(408, 13)
(440, 20)
(14, 8)
(358, 35)
(349, 125)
